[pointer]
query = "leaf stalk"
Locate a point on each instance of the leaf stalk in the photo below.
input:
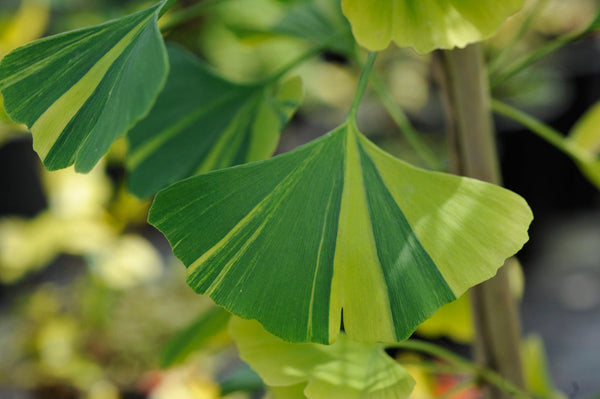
(484, 374)
(539, 128)
(361, 87)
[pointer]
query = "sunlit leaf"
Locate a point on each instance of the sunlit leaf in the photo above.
(202, 122)
(81, 90)
(194, 336)
(425, 25)
(344, 370)
(336, 224)
(585, 137)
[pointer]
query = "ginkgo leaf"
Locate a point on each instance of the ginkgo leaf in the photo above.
(81, 90)
(585, 138)
(344, 370)
(338, 224)
(202, 122)
(425, 25)
(318, 22)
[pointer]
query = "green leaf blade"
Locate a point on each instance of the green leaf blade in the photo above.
(452, 216)
(202, 122)
(85, 88)
(231, 263)
(412, 272)
(338, 225)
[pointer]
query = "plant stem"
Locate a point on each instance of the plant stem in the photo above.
(362, 86)
(181, 16)
(324, 45)
(293, 64)
(498, 59)
(486, 375)
(539, 53)
(544, 131)
(408, 131)
(467, 101)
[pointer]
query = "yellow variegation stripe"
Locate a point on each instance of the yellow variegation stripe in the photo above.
(223, 152)
(219, 279)
(367, 314)
(134, 158)
(319, 264)
(280, 190)
(50, 125)
(440, 210)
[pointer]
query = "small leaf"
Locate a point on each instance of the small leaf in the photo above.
(81, 90)
(425, 25)
(344, 370)
(318, 22)
(585, 137)
(202, 122)
(194, 336)
(338, 224)
(535, 369)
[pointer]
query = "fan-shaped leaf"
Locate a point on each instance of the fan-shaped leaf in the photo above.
(202, 122)
(425, 25)
(344, 370)
(338, 224)
(81, 90)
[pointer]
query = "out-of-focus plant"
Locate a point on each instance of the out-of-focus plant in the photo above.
(78, 222)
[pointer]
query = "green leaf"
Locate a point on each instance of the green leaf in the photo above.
(202, 122)
(585, 138)
(535, 369)
(425, 25)
(194, 336)
(81, 90)
(338, 224)
(344, 370)
(319, 22)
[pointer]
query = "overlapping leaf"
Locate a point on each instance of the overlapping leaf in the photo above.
(344, 370)
(202, 122)
(81, 90)
(425, 25)
(338, 224)
(317, 21)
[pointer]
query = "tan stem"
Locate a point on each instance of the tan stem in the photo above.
(473, 153)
